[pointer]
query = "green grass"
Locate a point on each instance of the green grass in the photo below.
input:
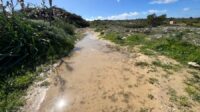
(135, 39)
(130, 40)
(114, 37)
(182, 101)
(147, 51)
(144, 109)
(142, 64)
(24, 46)
(193, 88)
(153, 81)
(173, 47)
(182, 51)
(162, 65)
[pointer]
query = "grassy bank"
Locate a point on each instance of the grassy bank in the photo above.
(24, 46)
(173, 47)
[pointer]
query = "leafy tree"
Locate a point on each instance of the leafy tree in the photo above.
(151, 19)
(154, 20)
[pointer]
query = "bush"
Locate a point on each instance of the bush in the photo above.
(155, 20)
(65, 26)
(24, 45)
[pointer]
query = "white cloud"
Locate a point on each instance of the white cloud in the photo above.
(122, 16)
(130, 15)
(186, 9)
(163, 1)
(156, 11)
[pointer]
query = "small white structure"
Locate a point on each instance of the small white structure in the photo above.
(172, 22)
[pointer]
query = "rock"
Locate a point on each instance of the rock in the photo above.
(55, 65)
(124, 37)
(194, 64)
(42, 75)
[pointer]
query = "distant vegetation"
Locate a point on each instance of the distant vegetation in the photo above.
(154, 20)
(156, 36)
(29, 38)
(173, 47)
(180, 40)
(43, 14)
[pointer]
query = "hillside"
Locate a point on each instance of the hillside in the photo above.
(55, 12)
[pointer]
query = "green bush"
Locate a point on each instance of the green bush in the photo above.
(27, 43)
(24, 45)
(65, 26)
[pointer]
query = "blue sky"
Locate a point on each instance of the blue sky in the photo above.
(128, 9)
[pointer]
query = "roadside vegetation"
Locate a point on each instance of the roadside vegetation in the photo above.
(193, 85)
(155, 36)
(27, 43)
(173, 47)
(178, 42)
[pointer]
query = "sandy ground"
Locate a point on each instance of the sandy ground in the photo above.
(101, 78)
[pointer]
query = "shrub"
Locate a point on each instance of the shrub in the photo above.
(65, 26)
(155, 20)
(24, 45)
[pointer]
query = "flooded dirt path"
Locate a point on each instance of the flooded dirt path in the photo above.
(98, 78)
(89, 80)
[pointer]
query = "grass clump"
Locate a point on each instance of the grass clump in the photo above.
(147, 51)
(153, 81)
(150, 96)
(142, 64)
(162, 65)
(114, 37)
(135, 39)
(182, 101)
(45, 84)
(144, 110)
(193, 86)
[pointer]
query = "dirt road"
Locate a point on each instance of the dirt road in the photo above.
(98, 78)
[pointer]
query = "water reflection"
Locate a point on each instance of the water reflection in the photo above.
(60, 105)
